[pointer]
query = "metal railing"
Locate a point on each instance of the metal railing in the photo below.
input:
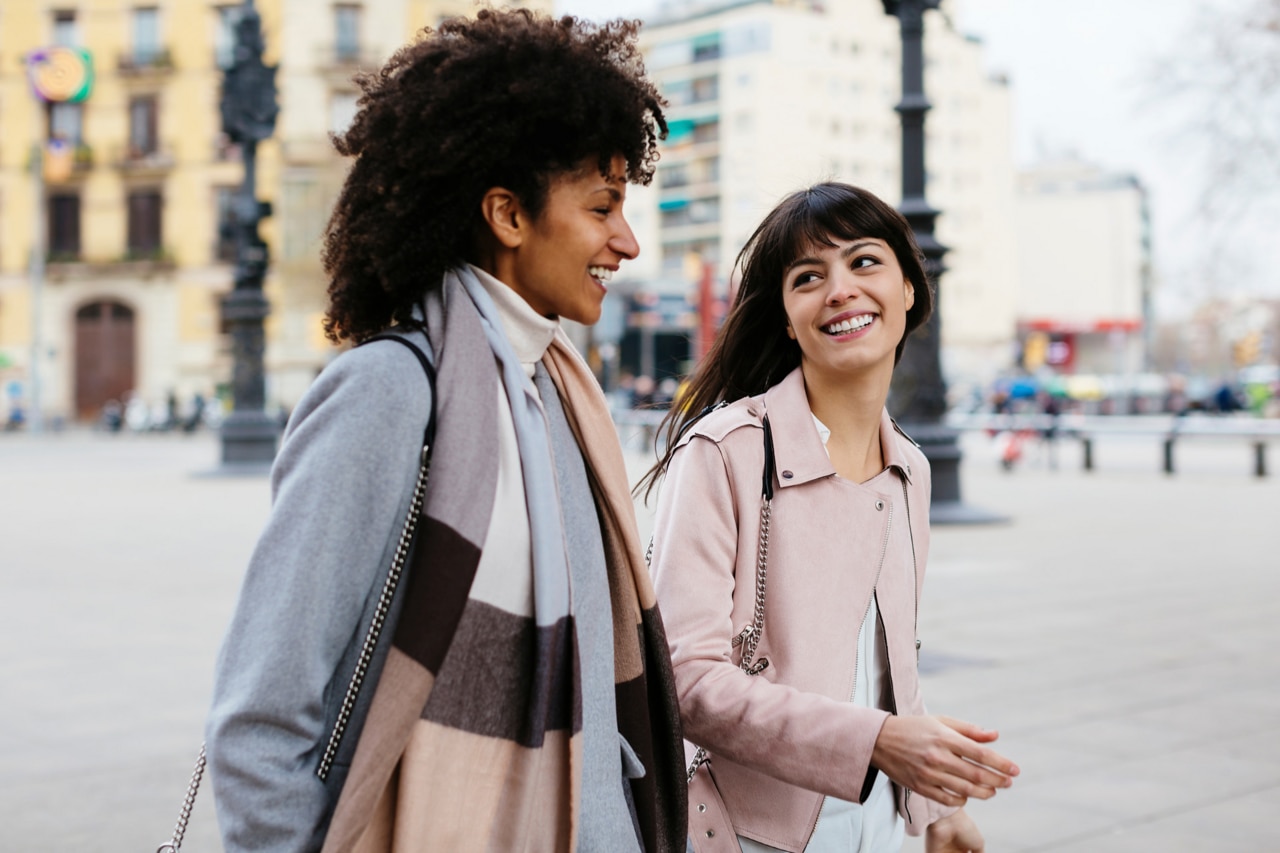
(1256, 432)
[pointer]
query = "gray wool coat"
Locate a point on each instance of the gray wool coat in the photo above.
(283, 669)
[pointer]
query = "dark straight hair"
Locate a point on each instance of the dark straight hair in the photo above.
(752, 351)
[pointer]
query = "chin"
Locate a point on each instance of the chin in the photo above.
(587, 316)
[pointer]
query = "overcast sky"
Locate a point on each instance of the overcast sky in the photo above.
(1083, 80)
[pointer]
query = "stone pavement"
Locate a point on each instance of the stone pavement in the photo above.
(1120, 631)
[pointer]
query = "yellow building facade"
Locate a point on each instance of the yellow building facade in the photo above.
(138, 255)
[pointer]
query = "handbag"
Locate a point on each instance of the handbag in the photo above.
(403, 546)
(709, 825)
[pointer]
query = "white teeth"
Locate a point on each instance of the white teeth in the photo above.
(850, 325)
(601, 274)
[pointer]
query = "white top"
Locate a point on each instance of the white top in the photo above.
(873, 826)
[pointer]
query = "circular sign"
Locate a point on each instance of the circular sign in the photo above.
(60, 73)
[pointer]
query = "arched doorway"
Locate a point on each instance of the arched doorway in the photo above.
(104, 355)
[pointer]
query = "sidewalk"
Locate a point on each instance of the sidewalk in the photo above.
(1120, 632)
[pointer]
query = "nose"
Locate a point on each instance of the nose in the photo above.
(841, 287)
(623, 240)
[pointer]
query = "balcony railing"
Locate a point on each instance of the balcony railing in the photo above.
(343, 57)
(144, 59)
(133, 158)
(81, 157)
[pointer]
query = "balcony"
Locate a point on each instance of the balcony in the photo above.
(344, 58)
(131, 264)
(145, 60)
(137, 160)
(74, 163)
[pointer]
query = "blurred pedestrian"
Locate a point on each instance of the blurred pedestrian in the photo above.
(520, 693)
(814, 584)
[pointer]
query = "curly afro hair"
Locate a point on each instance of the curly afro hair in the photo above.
(509, 99)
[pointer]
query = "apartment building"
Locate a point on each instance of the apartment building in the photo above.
(138, 246)
(768, 97)
(1084, 263)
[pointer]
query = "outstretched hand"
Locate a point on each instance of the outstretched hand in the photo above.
(942, 758)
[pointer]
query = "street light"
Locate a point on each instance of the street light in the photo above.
(249, 111)
(918, 397)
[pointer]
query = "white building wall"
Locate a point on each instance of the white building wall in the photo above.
(806, 95)
(1080, 245)
(1083, 262)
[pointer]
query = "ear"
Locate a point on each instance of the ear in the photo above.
(505, 216)
(909, 293)
(791, 333)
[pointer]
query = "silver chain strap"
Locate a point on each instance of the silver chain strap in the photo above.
(379, 617)
(362, 663)
(371, 637)
(750, 636)
(180, 830)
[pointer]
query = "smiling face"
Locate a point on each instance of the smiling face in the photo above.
(561, 261)
(846, 307)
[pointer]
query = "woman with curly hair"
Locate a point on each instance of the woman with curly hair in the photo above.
(789, 554)
(512, 690)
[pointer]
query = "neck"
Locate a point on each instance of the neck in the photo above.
(851, 409)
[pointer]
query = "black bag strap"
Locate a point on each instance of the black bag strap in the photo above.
(428, 436)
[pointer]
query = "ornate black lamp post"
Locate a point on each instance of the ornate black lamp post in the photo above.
(918, 397)
(249, 112)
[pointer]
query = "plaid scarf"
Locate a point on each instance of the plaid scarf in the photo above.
(493, 696)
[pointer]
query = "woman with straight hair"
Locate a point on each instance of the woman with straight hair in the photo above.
(789, 552)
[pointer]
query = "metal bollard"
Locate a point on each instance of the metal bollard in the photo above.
(1260, 459)
(1088, 453)
(1168, 455)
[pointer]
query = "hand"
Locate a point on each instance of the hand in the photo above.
(955, 833)
(942, 759)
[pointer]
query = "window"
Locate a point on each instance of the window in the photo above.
(66, 121)
(708, 131)
(706, 89)
(225, 238)
(146, 36)
(65, 31)
(706, 47)
(346, 32)
(144, 223)
(342, 111)
(64, 226)
(698, 212)
(225, 37)
(142, 126)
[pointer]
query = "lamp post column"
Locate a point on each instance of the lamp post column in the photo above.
(918, 397)
(249, 111)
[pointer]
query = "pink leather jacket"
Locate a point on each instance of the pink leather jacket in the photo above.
(781, 740)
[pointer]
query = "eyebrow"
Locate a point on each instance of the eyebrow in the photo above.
(844, 253)
(613, 193)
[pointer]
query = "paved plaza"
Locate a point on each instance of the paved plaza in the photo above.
(1121, 631)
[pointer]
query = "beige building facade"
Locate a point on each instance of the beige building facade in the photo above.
(138, 253)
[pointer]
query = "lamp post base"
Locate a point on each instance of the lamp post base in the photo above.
(941, 446)
(249, 441)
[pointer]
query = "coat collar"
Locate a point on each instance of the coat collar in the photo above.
(798, 449)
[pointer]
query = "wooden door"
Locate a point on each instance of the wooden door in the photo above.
(104, 356)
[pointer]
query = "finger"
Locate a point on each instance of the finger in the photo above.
(967, 778)
(973, 731)
(988, 758)
(941, 795)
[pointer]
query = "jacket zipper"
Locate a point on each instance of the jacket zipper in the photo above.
(853, 691)
(915, 591)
